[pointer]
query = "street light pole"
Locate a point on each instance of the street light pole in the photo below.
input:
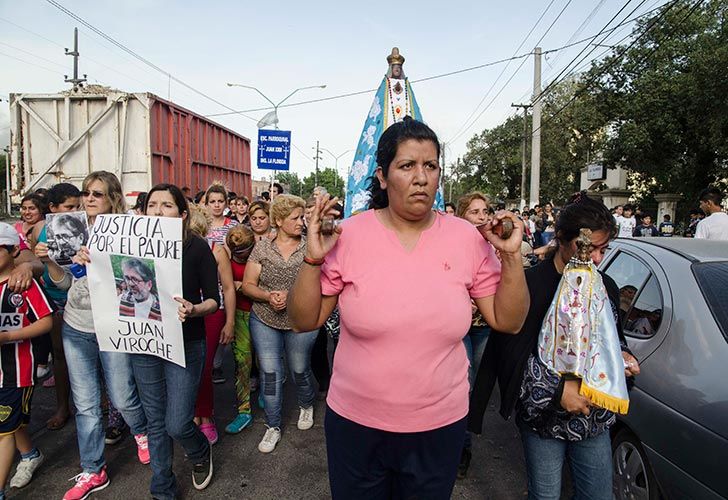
(275, 106)
(336, 162)
(275, 109)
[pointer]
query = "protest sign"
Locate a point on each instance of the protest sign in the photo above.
(65, 233)
(134, 275)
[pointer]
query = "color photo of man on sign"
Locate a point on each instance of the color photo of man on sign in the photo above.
(136, 273)
(138, 297)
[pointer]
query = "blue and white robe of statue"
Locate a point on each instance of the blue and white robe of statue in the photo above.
(388, 108)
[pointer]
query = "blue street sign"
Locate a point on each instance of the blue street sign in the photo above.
(274, 149)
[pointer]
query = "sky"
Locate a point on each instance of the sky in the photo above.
(280, 46)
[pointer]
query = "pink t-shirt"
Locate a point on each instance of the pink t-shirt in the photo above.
(400, 365)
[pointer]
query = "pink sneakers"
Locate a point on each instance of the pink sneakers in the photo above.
(210, 432)
(87, 483)
(142, 448)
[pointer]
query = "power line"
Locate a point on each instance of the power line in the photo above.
(617, 28)
(556, 80)
(368, 91)
(140, 58)
(85, 57)
(581, 28)
(495, 82)
(458, 135)
(31, 63)
(624, 51)
(32, 54)
(434, 77)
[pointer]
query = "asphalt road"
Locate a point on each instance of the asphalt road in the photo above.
(295, 470)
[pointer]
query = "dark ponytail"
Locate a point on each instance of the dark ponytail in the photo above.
(584, 212)
(407, 129)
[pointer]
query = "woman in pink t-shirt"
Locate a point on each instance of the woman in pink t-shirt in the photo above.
(403, 277)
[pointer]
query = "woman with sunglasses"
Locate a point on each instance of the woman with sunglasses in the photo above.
(167, 390)
(88, 367)
(240, 241)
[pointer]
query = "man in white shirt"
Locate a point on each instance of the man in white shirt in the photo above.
(715, 224)
(626, 222)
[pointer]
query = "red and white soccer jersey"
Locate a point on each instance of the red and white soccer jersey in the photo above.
(18, 310)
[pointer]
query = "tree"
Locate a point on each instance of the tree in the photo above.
(294, 184)
(328, 178)
(665, 99)
(570, 139)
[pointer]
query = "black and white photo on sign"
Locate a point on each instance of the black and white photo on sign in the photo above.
(66, 233)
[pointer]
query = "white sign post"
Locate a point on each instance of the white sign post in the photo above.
(134, 275)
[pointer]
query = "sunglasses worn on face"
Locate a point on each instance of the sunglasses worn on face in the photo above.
(96, 194)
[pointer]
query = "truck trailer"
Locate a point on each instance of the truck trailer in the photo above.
(143, 139)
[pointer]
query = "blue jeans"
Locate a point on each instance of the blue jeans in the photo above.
(168, 393)
(86, 366)
(474, 347)
(474, 342)
(590, 462)
(270, 346)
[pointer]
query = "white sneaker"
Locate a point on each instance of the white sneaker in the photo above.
(305, 418)
(24, 471)
(42, 371)
(270, 440)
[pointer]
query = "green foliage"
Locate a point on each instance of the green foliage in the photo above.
(658, 109)
(328, 178)
(568, 143)
(666, 100)
(294, 184)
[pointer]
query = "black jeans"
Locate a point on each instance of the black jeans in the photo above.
(371, 464)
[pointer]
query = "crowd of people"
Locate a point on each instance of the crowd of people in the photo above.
(266, 281)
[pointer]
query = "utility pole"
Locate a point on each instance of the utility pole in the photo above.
(525, 107)
(6, 150)
(536, 135)
(442, 153)
(317, 158)
(76, 81)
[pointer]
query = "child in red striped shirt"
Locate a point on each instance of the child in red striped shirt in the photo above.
(22, 316)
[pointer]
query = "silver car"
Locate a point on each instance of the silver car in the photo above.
(674, 300)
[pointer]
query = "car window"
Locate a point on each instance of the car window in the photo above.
(640, 297)
(712, 278)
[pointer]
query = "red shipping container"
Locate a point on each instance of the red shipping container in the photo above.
(189, 150)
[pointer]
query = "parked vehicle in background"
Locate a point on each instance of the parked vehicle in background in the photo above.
(140, 137)
(673, 443)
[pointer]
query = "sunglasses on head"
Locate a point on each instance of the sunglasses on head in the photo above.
(95, 194)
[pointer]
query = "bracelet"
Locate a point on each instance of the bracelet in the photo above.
(313, 262)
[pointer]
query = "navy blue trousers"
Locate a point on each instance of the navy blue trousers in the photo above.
(371, 464)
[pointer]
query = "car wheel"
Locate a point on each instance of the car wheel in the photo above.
(632, 476)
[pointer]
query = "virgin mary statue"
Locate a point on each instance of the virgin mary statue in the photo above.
(393, 101)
